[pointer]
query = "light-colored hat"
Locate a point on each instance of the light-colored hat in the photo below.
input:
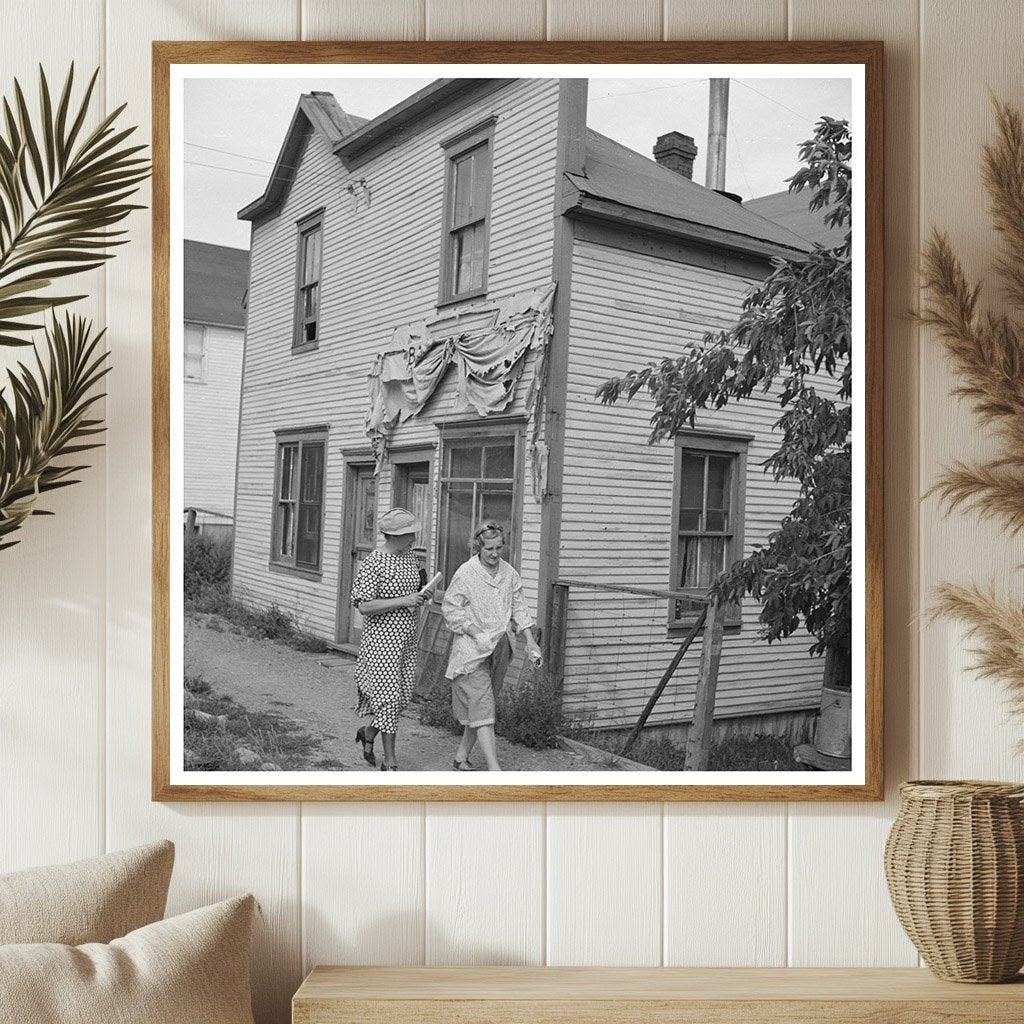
(397, 521)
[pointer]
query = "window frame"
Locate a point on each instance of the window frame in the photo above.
(464, 434)
(705, 444)
(481, 134)
(305, 226)
(201, 379)
(300, 439)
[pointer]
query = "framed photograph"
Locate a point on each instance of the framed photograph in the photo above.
(517, 418)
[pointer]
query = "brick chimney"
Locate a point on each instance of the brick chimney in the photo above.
(676, 152)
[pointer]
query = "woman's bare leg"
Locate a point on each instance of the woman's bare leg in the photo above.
(466, 744)
(485, 734)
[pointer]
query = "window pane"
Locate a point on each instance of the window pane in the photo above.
(466, 461)
(688, 562)
(366, 510)
(307, 551)
(691, 491)
(499, 461)
(195, 344)
(286, 488)
(468, 255)
(719, 480)
(312, 472)
(311, 257)
(458, 526)
(469, 194)
(285, 532)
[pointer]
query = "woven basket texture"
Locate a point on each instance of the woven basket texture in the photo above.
(954, 862)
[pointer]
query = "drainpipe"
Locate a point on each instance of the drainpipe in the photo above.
(718, 120)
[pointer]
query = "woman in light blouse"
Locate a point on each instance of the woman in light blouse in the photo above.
(482, 603)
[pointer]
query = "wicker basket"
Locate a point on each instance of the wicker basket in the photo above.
(954, 861)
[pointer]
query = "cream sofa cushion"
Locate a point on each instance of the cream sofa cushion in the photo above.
(92, 900)
(190, 969)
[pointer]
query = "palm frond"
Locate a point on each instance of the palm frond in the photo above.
(45, 419)
(62, 192)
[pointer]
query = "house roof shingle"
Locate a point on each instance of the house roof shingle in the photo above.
(790, 210)
(215, 280)
(615, 174)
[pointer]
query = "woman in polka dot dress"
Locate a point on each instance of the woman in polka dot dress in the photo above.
(388, 595)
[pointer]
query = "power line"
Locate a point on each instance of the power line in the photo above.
(772, 99)
(641, 92)
(228, 152)
(232, 170)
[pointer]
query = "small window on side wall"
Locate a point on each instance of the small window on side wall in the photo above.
(707, 519)
(467, 213)
(309, 273)
(298, 501)
(195, 352)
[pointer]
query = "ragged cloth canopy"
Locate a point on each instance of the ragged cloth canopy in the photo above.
(489, 361)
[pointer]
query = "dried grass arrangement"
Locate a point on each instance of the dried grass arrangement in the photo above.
(987, 353)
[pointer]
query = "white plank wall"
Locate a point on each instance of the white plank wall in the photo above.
(512, 883)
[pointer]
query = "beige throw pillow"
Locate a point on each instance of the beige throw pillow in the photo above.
(92, 900)
(190, 969)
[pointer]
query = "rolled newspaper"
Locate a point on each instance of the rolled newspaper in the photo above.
(431, 585)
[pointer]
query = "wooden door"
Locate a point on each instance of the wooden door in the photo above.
(360, 540)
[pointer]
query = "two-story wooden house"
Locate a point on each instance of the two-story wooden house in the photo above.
(434, 297)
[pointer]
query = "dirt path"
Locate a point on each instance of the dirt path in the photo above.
(318, 691)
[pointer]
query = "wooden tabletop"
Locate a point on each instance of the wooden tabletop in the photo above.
(627, 995)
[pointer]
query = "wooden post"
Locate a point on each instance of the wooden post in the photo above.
(698, 743)
(663, 682)
(555, 655)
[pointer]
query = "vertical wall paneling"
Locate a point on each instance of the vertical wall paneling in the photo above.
(967, 49)
(362, 884)
(726, 865)
(727, 19)
(852, 923)
(222, 848)
(485, 864)
(604, 884)
(606, 19)
(485, 19)
(51, 583)
(363, 19)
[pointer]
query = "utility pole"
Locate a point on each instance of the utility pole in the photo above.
(718, 122)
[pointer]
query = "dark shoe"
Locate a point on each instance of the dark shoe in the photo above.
(463, 766)
(389, 767)
(368, 755)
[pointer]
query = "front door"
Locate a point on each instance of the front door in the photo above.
(360, 540)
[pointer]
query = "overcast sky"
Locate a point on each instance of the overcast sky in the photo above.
(234, 128)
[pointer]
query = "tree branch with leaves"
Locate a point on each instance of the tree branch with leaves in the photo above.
(794, 330)
(63, 190)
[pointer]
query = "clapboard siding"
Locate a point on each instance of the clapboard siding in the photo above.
(617, 504)
(381, 265)
(211, 424)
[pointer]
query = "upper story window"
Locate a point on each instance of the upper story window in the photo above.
(195, 352)
(707, 518)
(467, 213)
(307, 299)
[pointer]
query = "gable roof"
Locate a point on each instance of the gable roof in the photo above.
(315, 111)
(790, 210)
(215, 281)
(618, 184)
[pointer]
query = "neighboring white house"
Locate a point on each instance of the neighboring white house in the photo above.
(435, 296)
(215, 282)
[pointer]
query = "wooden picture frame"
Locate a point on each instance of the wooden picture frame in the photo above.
(649, 238)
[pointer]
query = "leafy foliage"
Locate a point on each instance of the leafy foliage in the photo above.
(61, 193)
(794, 325)
(47, 418)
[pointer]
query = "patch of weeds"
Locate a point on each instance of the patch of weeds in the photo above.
(758, 753)
(196, 684)
(206, 564)
(235, 739)
(330, 764)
